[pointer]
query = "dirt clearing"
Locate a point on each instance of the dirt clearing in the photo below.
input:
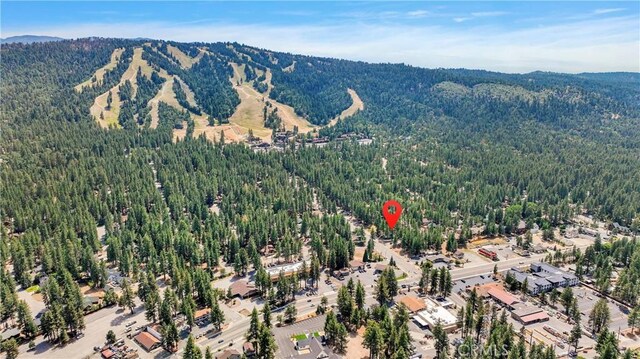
(185, 60)
(356, 105)
(99, 74)
(249, 113)
(109, 117)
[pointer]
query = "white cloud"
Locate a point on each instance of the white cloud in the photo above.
(607, 11)
(418, 13)
(488, 13)
(461, 19)
(605, 44)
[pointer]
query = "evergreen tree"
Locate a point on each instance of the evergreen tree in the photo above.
(254, 327)
(191, 351)
(127, 297)
(599, 317)
(441, 342)
(373, 339)
(25, 320)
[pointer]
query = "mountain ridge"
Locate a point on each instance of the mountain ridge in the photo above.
(29, 39)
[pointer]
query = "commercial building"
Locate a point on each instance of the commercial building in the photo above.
(413, 304)
(286, 269)
(434, 314)
(312, 348)
(543, 278)
(502, 297)
(242, 289)
(147, 341)
(526, 314)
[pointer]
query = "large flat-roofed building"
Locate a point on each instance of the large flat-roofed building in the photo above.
(287, 269)
(527, 314)
(434, 314)
(543, 278)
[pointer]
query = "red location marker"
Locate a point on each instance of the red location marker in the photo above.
(392, 218)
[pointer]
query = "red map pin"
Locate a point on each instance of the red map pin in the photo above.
(392, 218)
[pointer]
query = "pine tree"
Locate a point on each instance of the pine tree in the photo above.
(373, 339)
(170, 337)
(217, 316)
(111, 337)
(25, 320)
(191, 351)
(575, 335)
(441, 342)
(254, 327)
(290, 313)
(127, 298)
(340, 339)
(266, 345)
(360, 295)
(151, 306)
(599, 317)
(345, 303)
(10, 347)
(266, 314)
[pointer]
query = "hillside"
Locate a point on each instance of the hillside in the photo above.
(206, 89)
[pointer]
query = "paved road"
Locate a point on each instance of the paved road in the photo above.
(503, 265)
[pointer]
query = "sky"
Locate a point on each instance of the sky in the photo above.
(515, 37)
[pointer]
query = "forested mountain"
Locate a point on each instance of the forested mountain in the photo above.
(458, 148)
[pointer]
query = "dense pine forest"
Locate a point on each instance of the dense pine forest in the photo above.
(459, 148)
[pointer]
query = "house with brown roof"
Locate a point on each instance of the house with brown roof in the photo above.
(242, 289)
(248, 349)
(229, 354)
(201, 314)
(147, 341)
(356, 265)
(107, 353)
(412, 303)
(379, 268)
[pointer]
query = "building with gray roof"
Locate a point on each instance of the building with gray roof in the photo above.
(543, 278)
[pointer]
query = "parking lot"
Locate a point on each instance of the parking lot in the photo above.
(587, 299)
(286, 347)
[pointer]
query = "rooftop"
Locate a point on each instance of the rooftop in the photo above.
(229, 354)
(286, 268)
(147, 340)
(435, 313)
(502, 296)
(534, 317)
(412, 303)
(242, 288)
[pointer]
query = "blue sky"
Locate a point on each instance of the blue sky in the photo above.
(501, 36)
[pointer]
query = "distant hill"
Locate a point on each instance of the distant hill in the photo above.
(28, 39)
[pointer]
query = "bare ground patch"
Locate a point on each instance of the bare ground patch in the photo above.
(355, 349)
(232, 132)
(356, 105)
(291, 67)
(99, 74)
(99, 107)
(249, 113)
(185, 60)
